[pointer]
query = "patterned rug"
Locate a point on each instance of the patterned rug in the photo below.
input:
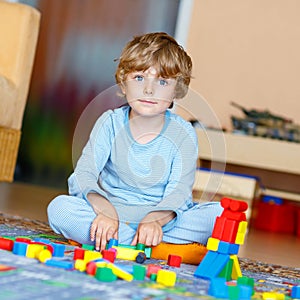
(32, 280)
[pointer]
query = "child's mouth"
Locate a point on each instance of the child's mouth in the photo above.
(147, 101)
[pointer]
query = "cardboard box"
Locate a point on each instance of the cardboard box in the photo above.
(212, 185)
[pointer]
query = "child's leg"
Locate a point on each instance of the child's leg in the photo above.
(72, 217)
(194, 225)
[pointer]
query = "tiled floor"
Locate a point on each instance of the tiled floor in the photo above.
(31, 202)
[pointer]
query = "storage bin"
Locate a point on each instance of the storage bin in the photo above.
(276, 216)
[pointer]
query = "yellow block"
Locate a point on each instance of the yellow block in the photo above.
(91, 255)
(275, 296)
(44, 255)
(240, 238)
(80, 265)
(33, 250)
(166, 277)
(126, 253)
(120, 272)
(212, 244)
(243, 227)
(241, 233)
(236, 270)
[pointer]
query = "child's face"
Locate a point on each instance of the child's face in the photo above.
(147, 94)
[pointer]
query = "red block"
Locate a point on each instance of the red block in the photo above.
(230, 231)
(218, 228)
(234, 215)
(23, 240)
(238, 206)
(6, 244)
(108, 255)
(78, 253)
(152, 269)
(234, 205)
(174, 260)
(91, 268)
(225, 203)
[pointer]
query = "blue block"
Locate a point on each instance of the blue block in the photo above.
(205, 264)
(42, 240)
(228, 248)
(211, 265)
(218, 265)
(234, 249)
(296, 292)
(20, 248)
(59, 249)
(223, 247)
(100, 260)
(218, 288)
(245, 292)
(112, 242)
(59, 264)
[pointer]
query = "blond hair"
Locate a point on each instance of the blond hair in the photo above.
(158, 50)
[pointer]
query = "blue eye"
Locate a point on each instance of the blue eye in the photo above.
(139, 78)
(162, 82)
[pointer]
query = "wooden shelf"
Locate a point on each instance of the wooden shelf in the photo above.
(252, 152)
(257, 152)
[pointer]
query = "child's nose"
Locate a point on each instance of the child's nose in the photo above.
(148, 88)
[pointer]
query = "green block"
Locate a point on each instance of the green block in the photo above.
(233, 292)
(140, 246)
(148, 252)
(88, 247)
(139, 272)
(105, 274)
(227, 270)
(153, 277)
(244, 280)
(127, 246)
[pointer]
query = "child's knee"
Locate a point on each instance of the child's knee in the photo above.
(54, 209)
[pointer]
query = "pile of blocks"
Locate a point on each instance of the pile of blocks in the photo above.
(220, 264)
(223, 245)
(101, 265)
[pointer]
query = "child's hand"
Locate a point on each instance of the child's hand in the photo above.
(103, 229)
(149, 233)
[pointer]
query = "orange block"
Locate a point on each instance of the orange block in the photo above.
(190, 253)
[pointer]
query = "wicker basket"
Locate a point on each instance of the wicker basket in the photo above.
(9, 146)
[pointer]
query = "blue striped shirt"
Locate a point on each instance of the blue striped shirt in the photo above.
(138, 178)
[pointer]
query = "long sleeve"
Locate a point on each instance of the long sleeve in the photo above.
(93, 159)
(178, 190)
